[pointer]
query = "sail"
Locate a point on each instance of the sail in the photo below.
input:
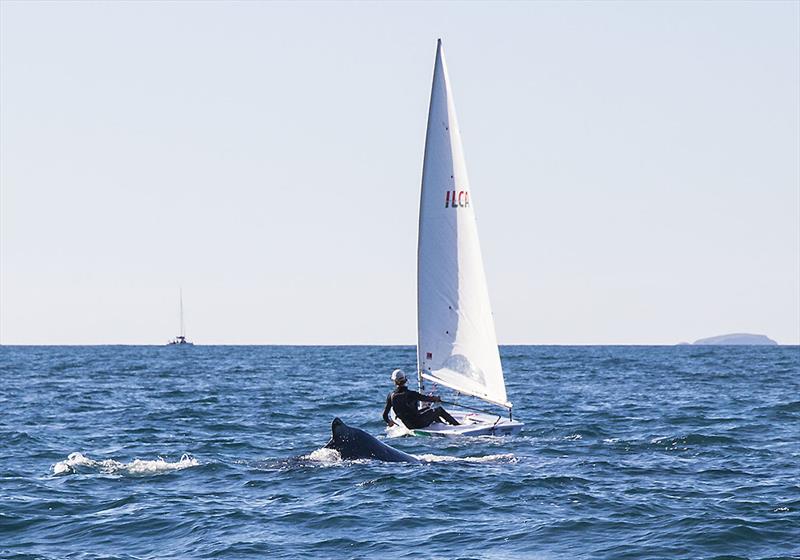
(456, 344)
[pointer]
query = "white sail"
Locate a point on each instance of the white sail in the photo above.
(456, 345)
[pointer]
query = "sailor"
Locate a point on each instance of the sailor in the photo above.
(404, 402)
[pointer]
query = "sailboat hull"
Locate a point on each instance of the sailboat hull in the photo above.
(470, 424)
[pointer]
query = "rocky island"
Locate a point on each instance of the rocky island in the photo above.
(737, 339)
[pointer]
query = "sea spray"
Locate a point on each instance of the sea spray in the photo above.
(77, 462)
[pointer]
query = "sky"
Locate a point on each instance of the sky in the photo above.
(635, 168)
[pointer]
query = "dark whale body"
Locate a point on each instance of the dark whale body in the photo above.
(353, 443)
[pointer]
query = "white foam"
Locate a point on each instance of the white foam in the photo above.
(324, 455)
(73, 460)
(500, 457)
(78, 461)
(140, 466)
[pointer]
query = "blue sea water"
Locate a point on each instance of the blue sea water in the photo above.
(211, 452)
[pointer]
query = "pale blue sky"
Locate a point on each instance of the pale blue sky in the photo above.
(634, 167)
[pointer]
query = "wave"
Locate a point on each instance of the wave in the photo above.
(326, 456)
(496, 458)
(693, 439)
(77, 462)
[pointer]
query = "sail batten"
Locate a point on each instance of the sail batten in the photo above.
(456, 344)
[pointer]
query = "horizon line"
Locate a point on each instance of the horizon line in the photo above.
(393, 345)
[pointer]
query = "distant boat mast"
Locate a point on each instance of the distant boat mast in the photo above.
(181, 338)
(182, 328)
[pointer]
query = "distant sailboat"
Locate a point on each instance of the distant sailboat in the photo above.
(181, 338)
(456, 344)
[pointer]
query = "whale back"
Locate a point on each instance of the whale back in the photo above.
(354, 443)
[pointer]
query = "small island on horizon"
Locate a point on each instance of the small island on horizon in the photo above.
(735, 339)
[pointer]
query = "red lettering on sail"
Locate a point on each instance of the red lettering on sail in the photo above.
(456, 199)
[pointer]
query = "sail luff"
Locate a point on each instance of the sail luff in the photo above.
(427, 159)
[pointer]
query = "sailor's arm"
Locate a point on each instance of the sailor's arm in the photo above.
(386, 410)
(427, 398)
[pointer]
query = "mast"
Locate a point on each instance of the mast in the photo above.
(183, 334)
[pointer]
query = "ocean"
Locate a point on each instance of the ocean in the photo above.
(213, 452)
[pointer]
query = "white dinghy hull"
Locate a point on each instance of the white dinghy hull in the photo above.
(470, 424)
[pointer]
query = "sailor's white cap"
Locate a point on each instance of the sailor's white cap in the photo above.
(398, 375)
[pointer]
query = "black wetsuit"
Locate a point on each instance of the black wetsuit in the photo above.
(404, 402)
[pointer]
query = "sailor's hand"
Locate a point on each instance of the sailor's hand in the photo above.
(391, 423)
(437, 398)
